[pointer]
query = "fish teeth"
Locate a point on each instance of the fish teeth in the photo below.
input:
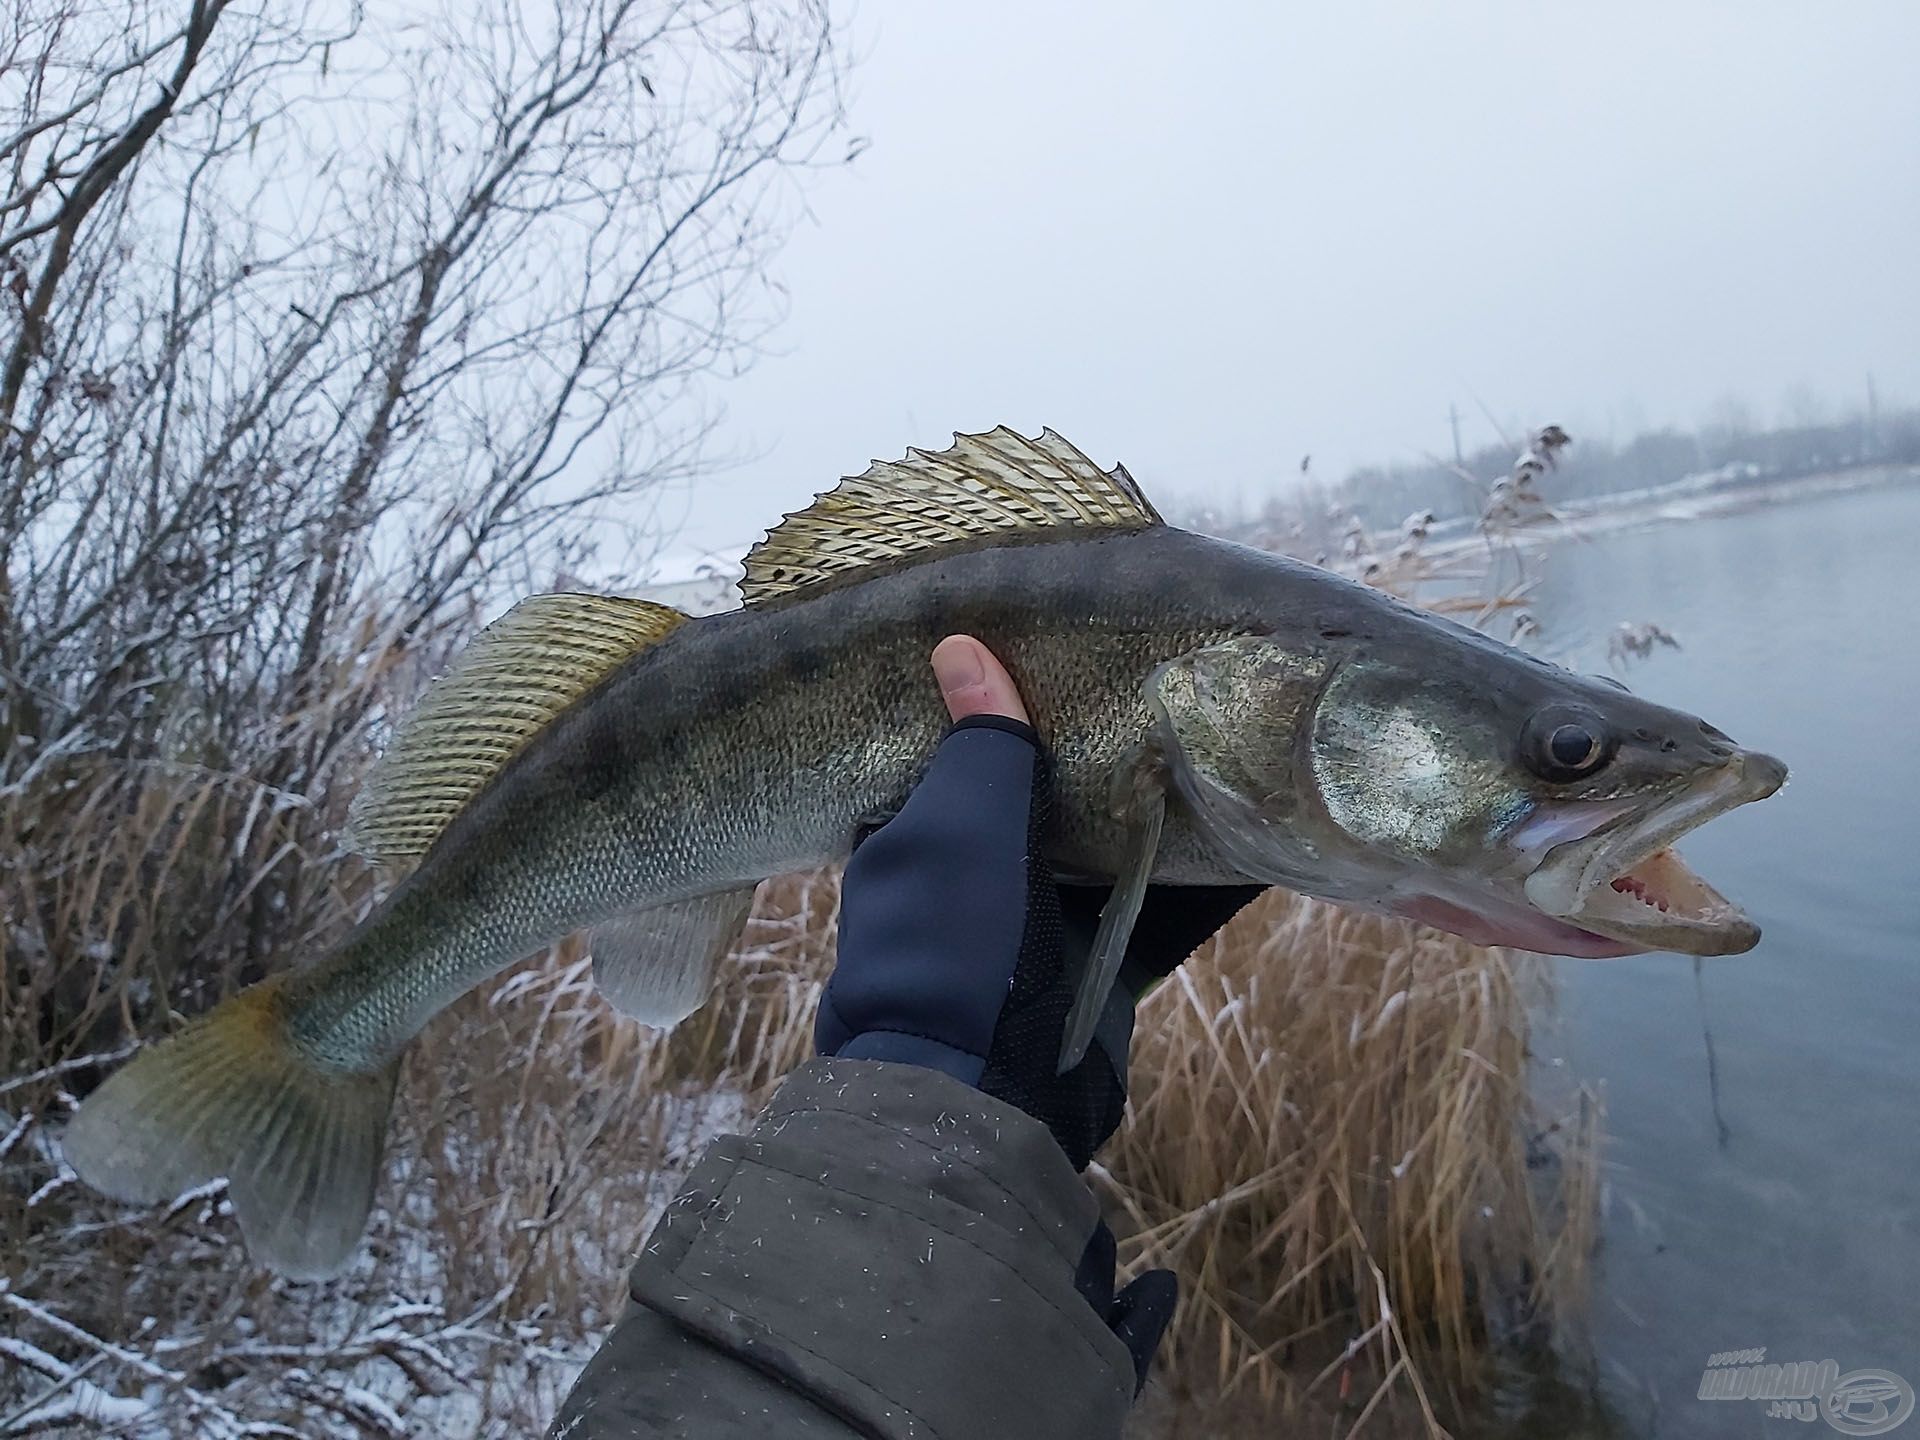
(1630, 885)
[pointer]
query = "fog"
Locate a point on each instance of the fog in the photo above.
(1210, 240)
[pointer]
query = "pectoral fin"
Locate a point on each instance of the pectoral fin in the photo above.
(1146, 815)
(658, 964)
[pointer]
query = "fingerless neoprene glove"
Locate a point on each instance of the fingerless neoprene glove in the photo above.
(951, 951)
(959, 952)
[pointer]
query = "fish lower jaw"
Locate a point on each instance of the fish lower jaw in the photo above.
(1484, 920)
(1659, 903)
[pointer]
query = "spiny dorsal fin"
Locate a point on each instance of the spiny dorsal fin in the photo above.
(520, 672)
(999, 482)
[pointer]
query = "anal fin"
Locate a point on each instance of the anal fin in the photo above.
(658, 964)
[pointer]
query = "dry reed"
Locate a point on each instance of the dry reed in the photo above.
(1328, 1141)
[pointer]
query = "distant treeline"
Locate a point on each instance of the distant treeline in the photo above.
(1732, 452)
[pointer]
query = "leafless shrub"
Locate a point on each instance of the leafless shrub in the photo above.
(322, 330)
(318, 337)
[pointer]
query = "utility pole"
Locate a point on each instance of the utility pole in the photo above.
(1453, 418)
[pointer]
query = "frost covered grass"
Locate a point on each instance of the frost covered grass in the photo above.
(537, 1137)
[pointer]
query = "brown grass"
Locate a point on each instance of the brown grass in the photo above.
(1280, 1078)
(1329, 1143)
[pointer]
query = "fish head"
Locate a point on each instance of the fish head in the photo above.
(1463, 784)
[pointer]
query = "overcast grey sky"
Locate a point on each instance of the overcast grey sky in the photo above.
(1207, 238)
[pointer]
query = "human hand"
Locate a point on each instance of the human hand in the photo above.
(958, 950)
(1174, 920)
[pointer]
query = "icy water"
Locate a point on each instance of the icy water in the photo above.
(1787, 1216)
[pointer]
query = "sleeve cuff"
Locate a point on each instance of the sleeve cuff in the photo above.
(900, 1048)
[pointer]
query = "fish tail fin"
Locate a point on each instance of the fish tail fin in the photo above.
(232, 1095)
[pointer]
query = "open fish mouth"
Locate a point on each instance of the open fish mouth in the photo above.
(1624, 881)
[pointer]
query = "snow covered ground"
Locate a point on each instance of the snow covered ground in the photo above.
(382, 1351)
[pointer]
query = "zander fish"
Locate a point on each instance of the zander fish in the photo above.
(1218, 714)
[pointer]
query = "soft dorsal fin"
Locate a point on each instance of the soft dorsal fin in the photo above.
(520, 672)
(997, 483)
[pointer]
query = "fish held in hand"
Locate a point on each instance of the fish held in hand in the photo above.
(1217, 715)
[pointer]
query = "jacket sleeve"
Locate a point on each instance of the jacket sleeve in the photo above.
(890, 1253)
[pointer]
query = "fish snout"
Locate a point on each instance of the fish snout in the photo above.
(1758, 775)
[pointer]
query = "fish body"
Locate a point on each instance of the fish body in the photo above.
(758, 741)
(1216, 714)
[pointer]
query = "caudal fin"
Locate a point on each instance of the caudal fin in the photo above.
(230, 1095)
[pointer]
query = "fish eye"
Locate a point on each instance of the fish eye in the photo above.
(1573, 746)
(1563, 743)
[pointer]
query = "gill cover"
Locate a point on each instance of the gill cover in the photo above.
(1231, 716)
(1412, 761)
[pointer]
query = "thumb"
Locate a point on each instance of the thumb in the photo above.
(972, 682)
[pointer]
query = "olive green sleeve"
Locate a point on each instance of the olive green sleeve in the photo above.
(889, 1253)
